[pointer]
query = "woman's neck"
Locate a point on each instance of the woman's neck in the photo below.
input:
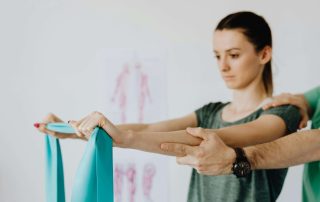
(248, 99)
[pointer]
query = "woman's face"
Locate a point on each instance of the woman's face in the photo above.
(239, 63)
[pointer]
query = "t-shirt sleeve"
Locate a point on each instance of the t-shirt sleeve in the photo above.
(290, 115)
(205, 112)
(312, 96)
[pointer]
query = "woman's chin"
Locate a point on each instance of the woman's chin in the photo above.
(231, 85)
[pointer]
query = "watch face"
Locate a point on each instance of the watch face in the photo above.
(241, 168)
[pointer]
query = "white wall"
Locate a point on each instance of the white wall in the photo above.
(48, 51)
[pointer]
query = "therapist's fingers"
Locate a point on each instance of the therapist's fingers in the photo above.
(276, 103)
(267, 106)
(188, 160)
(285, 99)
(177, 149)
(198, 132)
(304, 119)
(279, 100)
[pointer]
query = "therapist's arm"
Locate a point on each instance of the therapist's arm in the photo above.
(298, 148)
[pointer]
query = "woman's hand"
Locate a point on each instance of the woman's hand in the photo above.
(85, 127)
(211, 157)
(51, 118)
(296, 100)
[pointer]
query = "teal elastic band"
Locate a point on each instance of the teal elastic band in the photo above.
(94, 177)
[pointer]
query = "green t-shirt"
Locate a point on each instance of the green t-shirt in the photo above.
(260, 185)
(311, 173)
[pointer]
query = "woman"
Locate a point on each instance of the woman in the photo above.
(243, 47)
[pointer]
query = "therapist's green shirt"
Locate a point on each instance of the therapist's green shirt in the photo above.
(311, 174)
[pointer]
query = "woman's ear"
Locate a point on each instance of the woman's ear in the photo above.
(265, 55)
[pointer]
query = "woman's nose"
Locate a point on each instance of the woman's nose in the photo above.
(224, 65)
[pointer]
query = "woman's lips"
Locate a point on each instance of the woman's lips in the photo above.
(228, 77)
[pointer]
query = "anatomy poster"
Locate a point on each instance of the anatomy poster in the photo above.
(136, 93)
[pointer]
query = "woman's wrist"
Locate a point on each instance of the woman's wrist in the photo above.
(128, 138)
(125, 139)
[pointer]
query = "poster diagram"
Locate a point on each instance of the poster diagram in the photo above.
(121, 92)
(125, 180)
(136, 86)
(136, 93)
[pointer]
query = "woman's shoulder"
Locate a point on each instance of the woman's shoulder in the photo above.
(289, 113)
(212, 106)
(285, 109)
(207, 113)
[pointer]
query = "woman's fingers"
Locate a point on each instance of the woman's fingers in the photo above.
(51, 118)
(75, 125)
(86, 126)
(42, 128)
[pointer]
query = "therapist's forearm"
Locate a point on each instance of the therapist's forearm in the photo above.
(298, 148)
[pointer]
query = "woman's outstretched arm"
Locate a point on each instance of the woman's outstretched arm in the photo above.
(146, 137)
(265, 129)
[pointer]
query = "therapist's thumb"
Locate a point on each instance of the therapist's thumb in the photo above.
(197, 132)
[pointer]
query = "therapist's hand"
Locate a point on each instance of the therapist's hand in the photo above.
(296, 100)
(211, 157)
(85, 127)
(52, 118)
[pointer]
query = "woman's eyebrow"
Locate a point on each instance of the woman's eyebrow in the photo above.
(231, 49)
(228, 50)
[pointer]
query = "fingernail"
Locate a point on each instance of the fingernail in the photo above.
(36, 125)
(189, 129)
(164, 147)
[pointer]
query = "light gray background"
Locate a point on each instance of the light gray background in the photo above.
(48, 50)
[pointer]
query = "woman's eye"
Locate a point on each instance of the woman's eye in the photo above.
(217, 57)
(234, 56)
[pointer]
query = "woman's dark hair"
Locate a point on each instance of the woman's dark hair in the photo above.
(258, 32)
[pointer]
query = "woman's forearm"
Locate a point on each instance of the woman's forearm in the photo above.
(162, 126)
(149, 137)
(144, 137)
(133, 127)
(151, 141)
(267, 128)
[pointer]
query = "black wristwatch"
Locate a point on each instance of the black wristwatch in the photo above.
(241, 167)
